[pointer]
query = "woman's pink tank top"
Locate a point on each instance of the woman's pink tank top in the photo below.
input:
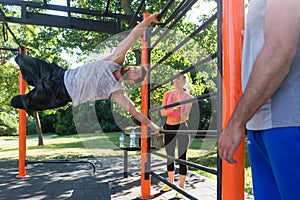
(170, 101)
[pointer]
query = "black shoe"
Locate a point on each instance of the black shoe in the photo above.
(17, 102)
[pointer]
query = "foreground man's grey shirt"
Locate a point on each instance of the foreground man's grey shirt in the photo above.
(283, 108)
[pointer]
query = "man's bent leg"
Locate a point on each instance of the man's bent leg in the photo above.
(32, 69)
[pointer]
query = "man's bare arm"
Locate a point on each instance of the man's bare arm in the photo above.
(124, 102)
(119, 54)
(270, 69)
(275, 59)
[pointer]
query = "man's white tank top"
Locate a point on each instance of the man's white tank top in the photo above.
(92, 81)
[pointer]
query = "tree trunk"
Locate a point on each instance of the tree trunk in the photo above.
(38, 128)
(126, 7)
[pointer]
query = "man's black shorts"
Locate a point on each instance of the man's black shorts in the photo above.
(48, 81)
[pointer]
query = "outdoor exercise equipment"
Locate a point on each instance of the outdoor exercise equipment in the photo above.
(22, 90)
(231, 182)
(181, 10)
(104, 21)
(232, 27)
(64, 161)
(30, 14)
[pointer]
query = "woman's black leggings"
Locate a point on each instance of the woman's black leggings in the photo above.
(170, 144)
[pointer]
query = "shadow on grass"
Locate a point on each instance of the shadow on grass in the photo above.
(208, 160)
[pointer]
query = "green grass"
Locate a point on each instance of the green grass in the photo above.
(73, 146)
(201, 151)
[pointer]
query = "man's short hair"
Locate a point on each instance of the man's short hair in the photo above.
(125, 75)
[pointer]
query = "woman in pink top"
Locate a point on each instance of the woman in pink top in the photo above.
(176, 120)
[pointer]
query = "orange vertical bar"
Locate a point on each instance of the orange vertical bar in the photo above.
(145, 183)
(232, 26)
(22, 126)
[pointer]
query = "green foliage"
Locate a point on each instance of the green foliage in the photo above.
(89, 118)
(8, 84)
(85, 118)
(55, 44)
(47, 122)
(8, 124)
(107, 119)
(31, 128)
(248, 181)
(64, 124)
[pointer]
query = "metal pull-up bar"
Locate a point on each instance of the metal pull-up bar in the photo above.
(181, 8)
(187, 39)
(134, 17)
(109, 23)
(193, 66)
(165, 9)
(177, 10)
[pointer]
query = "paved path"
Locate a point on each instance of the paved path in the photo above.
(77, 182)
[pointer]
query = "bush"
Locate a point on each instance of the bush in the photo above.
(64, 124)
(47, 122)
(8, 124)
(85, 118)
(31, 128)
(106, 117)
(89, 118)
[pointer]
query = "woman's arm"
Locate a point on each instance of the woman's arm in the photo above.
(185, 115)
(167, 111)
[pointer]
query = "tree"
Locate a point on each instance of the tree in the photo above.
(38, 128)
(52, 44)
